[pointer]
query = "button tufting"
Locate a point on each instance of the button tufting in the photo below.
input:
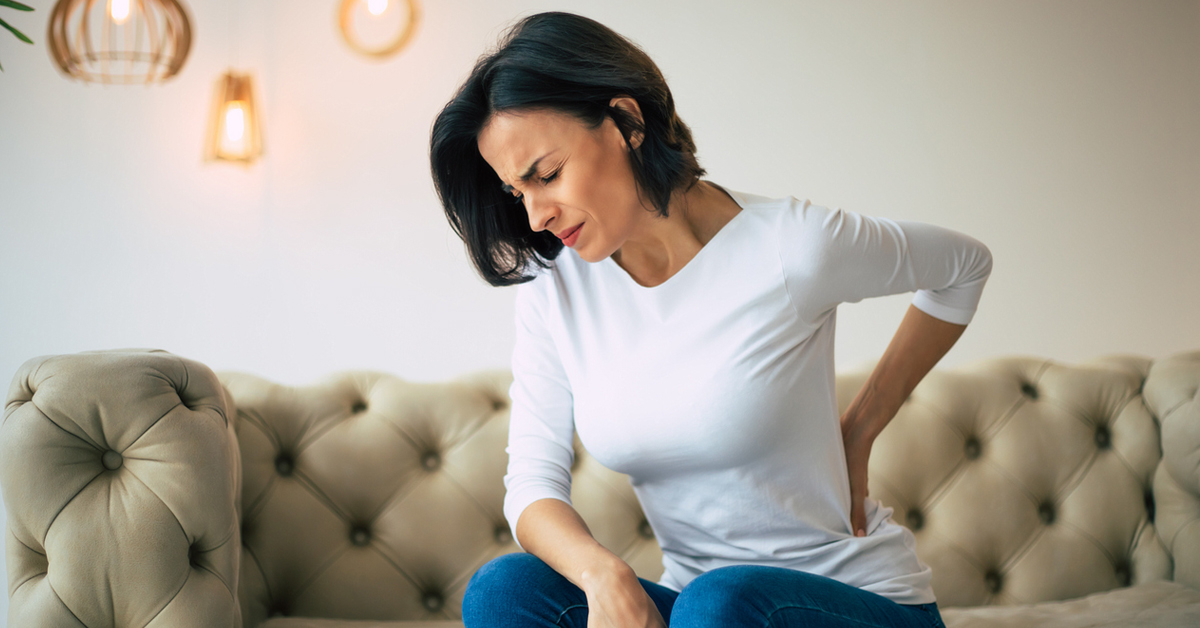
(1046, 513)
(359, 406)
(645, 530)
(112, 460)
(432, 601)
(1148, 499)
(360, 536)
(502, 534)
(993, 581)
(1123, 574)
(498, 404)
(431, 460)
(1028, 390)
(1103, 439)
(283, 464)
(193, 553)
(972, 448)
(914, 519)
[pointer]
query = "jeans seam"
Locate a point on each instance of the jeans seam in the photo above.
(936, 619)
(558, 622)
(771, 617)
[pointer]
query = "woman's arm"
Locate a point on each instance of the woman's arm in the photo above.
(537, 499)
(919, 343)
(833, 256)
(554, 532)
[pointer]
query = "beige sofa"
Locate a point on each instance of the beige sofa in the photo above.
(142, 489)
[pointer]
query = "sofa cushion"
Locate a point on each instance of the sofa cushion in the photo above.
(1159, 604)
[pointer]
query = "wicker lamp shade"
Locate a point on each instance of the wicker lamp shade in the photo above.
(119, 41)
(378, 28)
(234, 131)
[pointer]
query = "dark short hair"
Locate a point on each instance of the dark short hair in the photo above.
(569, 64)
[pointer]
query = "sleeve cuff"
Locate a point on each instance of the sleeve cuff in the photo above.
(925, 302)
(514, 506)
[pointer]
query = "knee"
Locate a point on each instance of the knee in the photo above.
(499, 581)
(725, 594)
(498, 575)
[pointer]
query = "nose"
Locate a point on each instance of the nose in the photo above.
(541, 211)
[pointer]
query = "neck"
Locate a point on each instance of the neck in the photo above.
(664, 245)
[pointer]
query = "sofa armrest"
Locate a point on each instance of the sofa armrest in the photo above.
(121, 476)
(1172, 392)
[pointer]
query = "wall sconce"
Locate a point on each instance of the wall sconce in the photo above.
(377, 28)
(119, 41)
(234, 133)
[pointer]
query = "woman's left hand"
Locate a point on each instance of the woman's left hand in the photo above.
(858, 451)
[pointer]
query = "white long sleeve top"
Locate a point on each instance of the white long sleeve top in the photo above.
(714, 391)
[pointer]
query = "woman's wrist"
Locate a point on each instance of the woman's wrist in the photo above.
(605, 571)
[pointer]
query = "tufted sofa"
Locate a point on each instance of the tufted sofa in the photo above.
(143, 489)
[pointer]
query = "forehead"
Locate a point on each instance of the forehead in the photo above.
(510, 142)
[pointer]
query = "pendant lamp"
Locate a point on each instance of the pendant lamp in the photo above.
(377, 28)
(119, 41)
(234, 133)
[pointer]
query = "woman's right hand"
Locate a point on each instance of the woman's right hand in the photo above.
(616, 599)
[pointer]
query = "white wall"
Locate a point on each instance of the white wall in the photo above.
(1064, 135)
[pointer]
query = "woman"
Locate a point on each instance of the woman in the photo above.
(686, 331)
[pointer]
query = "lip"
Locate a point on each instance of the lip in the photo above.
(571, 235)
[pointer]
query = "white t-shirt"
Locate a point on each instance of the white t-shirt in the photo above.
(714, 391)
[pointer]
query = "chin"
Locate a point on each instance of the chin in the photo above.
(591, 259)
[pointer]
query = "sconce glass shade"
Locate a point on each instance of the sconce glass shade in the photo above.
(378, 28)
(234, 132)
(119, 41)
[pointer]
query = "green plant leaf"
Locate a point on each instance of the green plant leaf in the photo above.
(16, 32)
(15, 5)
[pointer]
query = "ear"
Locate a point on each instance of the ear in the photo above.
(631, 106)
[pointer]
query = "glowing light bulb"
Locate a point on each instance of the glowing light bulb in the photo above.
(119, 10)
(377, 7)
(233, 133)
(235, 121)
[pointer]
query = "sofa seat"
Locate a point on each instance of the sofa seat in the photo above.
(1153, 605)
(1156, 604)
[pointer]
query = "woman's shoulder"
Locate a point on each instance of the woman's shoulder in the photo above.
(782, 216)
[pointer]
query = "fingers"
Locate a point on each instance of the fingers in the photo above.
(858, 518)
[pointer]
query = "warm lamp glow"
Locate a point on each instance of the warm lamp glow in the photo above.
(234, 133)
(119, 10)
(378, 28)
(119, 41)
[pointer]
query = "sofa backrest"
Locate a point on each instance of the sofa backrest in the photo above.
(1023, 480)
(119, 472)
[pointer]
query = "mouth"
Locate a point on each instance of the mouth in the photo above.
(568, 236)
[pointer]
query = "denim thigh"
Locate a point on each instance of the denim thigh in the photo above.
(762, 597)
(520, 590)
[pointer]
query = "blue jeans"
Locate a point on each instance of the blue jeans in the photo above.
(521, 591)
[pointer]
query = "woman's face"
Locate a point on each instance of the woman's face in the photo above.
(576, 177)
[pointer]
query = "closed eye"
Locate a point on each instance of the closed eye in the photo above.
(546, 180)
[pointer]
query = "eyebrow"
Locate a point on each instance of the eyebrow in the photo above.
(525, 177)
